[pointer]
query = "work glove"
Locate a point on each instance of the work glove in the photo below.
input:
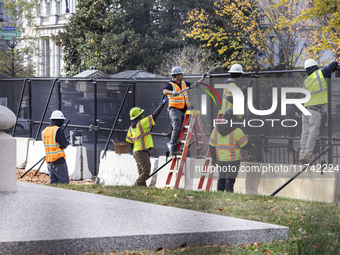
(175, 93)
(164, 101)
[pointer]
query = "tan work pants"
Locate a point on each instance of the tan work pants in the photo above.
(144, 165)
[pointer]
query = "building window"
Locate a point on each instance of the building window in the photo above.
(48, 8)
(57, 7)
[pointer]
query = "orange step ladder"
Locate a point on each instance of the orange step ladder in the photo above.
(206, 168)
(178, 163)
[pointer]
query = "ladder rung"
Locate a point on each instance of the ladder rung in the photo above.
(186, 127)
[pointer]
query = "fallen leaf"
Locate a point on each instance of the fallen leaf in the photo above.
(243, 246)
(100, 192)
(196, 214)
(183, 245)
(147, 193)
(165, 204)
(220, 210)
(267, 252)
(318, 246)
(290, 221)
(190, 198)
(270, 201)
(160, 249)
(296, 208)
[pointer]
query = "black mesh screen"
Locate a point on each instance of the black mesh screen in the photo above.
(76, 98)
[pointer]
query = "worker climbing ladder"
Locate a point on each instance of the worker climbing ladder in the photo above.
(178, 163)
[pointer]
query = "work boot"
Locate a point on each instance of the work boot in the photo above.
(305, 159)
(175, 153)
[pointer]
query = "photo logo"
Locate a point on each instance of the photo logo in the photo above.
(239, 102)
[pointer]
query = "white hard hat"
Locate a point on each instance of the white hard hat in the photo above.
(176, 70)
(57, 115)
(310, 62)
(236, 68)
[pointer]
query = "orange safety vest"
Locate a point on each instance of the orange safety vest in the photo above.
(52, 149)
(182, 99)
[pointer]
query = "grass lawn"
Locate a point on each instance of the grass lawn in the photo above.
(314, 226)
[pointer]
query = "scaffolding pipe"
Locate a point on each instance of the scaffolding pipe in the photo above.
(300, 172)
(116, 119)
(45, 109)
(19, 106)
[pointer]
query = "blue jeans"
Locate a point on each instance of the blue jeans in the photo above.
(176, 116)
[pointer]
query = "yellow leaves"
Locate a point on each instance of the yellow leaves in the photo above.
(222, 209)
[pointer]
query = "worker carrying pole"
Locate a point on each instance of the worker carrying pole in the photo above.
(176, 90)
(55, 142)
(139, 137)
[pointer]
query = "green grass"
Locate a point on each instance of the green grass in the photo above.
(314, 227)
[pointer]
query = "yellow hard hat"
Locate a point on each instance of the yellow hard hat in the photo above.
(135, 112)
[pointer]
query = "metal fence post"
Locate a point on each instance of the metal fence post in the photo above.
(30, 115)
(45, 109)
(330, 121)
(95, 126)
(19, 106)
(59, 95)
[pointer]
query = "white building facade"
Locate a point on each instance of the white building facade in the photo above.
(54, 15)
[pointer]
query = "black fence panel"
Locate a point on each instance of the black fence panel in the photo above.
(83, 99)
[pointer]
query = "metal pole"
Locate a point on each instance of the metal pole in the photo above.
(19, 106)
(30, 107)
(160, 168)
(95, 126)
(47, 103)
(59, 96)
(300, 172)
(116, 119)
(329, 119)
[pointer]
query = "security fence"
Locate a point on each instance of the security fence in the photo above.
(92, 106)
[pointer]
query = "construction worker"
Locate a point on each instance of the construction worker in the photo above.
(178, 105)
(55, 143)
(236, 72)
(139, 137)
(317, 106)
(225, 148)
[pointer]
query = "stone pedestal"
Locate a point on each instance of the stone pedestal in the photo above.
(8, 170)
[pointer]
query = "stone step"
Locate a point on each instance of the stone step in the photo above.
(42, 219)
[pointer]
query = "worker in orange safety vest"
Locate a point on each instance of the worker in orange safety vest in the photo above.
(55, 142)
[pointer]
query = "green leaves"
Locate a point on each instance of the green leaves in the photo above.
(122, 34)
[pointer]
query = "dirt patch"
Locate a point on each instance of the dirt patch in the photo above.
(42, 178)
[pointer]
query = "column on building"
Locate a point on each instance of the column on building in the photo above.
(53, 7)
(41, 63)
(53, 59)
(47, 57)
(57, 61)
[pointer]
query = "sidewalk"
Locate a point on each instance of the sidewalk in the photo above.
(42, 219)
